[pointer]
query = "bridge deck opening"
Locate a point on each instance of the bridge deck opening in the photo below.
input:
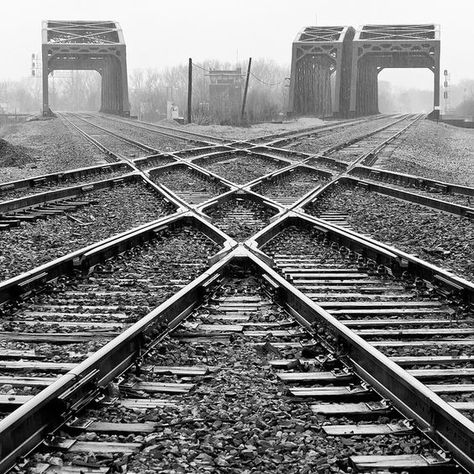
(75, 91)
(405, 91)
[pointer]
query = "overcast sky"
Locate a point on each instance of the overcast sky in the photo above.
(162, 33)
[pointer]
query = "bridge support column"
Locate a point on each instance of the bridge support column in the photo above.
(313, 86)
(367, 87)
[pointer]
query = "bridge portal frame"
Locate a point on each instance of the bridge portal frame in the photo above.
(376, 47)
(88, 45)
(329, 49)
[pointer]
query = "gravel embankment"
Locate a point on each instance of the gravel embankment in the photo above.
(436, 151)
(410, 227)
(240, 168)
(119, 209)
(151, 138)
(47, 146)
(317, 144)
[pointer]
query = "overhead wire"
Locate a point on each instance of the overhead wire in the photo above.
(200, 67)
(267, 83)
(270, 84)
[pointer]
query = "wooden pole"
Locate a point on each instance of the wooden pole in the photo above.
(242, 113)
(190, 88)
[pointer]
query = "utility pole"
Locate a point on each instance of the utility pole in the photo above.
(245, 90)
(190, 88)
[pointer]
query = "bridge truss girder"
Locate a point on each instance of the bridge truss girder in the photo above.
(88, 45)
(377, 47)
(318, 53)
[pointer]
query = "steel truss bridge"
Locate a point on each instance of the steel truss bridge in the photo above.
(88, 45)
(334, 69)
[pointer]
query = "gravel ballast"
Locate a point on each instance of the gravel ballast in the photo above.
(240, 417)
(150, 138)
(410, 227)
(135, 283)
(118, 209)
(247, 133)
(240, 218)
(316, 144)
(434, 150)
(108, 140)
(189, 184)
(241, 167)
(291, 186)
(431, 192)
(50, 145)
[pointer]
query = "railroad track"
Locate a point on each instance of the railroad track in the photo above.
(39, 232)
(450, 192)
(241, 306)
(267, 139)
(60, 326)
(335, 333)
(174, 132)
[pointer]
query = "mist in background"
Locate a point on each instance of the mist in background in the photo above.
(150, 89)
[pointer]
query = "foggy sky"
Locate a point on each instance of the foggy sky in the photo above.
(162, 33)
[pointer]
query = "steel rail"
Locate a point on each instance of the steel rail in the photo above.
(93, 257)
(324, 156)
(204, 207)
(429, 202)
(155, 172)
(161, 129)
(446, 206)
(372, 155)
(334, 148)
(236, 152)
(285, 137)
(60, 175)
(212, 154)
(25, 428)
(393, 258)
(95, 142)
(313, 195)
(135, 143)
(145, 174)
(166, 193)
(289, 135)
(260, 140)
(411, 180)
(285, 171)
(48, 197)
(174, 130)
